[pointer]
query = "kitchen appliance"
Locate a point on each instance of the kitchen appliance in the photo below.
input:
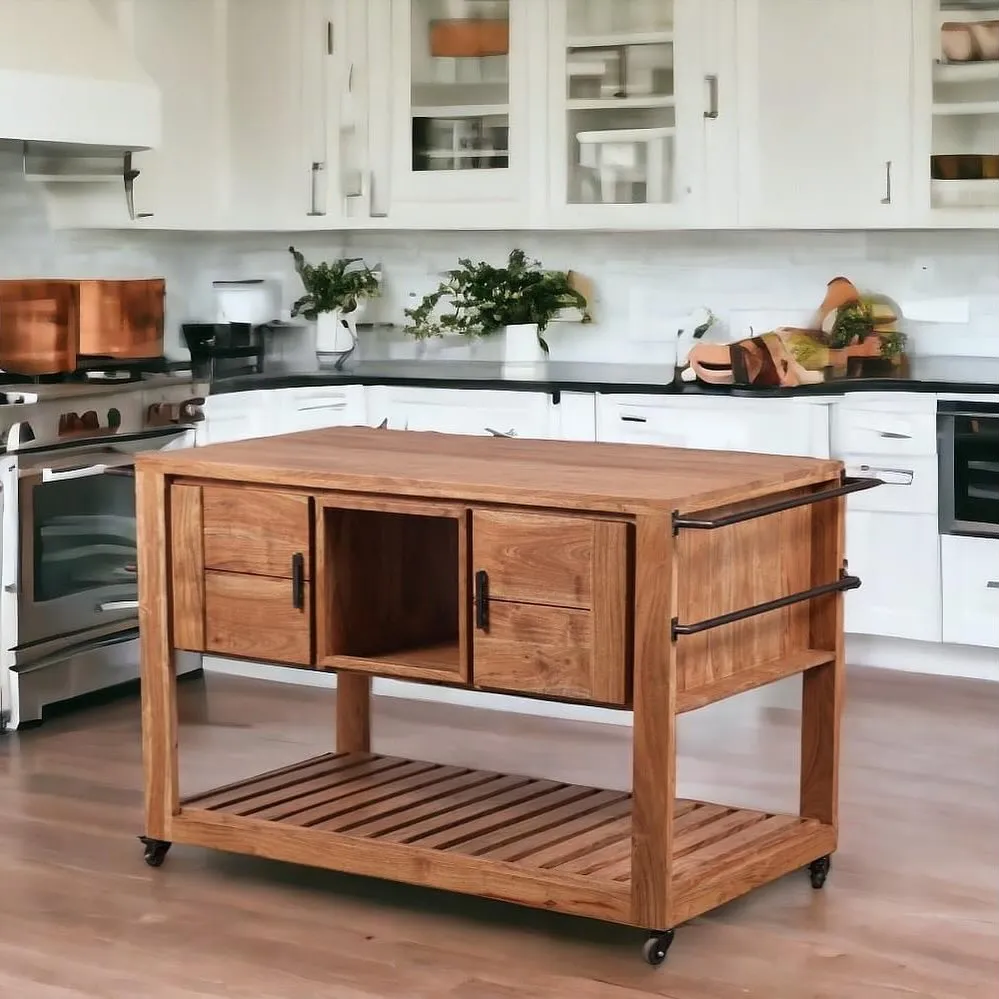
(48, 326)
(968, 454)
(253, 302)
(69, 598)
(222, 350)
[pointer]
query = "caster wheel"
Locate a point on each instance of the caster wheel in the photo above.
(818, 871)
(155, 850)
(655, 948)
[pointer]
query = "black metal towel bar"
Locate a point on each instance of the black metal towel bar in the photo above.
(850, 485)
(845, 582)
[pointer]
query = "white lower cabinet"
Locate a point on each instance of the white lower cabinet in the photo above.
(897, 557)
(760, 426)
(297, 409)
(970, 591)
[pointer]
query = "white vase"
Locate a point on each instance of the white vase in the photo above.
(336, 336)
(522, 353)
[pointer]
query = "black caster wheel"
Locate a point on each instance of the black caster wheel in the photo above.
(655, 948)
(155, 850)
(818, 871)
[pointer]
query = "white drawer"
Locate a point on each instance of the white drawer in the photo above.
(970, 591)
(871, 429)
(910, 483)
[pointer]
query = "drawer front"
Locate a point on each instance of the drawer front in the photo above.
(970, 591)
(549, 651)
(857, 430)
(910, 484)
(255, 531)
(533, 558)
(255, 617)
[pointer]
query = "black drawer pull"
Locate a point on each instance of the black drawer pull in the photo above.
(298, 581)
(482, 600)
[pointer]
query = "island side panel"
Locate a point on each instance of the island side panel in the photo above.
(159, 690)
(823, 687)
(654, 752)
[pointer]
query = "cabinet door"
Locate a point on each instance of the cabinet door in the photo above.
(316, 408)
(825, 112)
(897, 557)
(956, 116)
(470, 411)
(642, 112)
(551, 597)
(971, 591)
(451, 88)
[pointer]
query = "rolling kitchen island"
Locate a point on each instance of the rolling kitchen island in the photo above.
(648, 579)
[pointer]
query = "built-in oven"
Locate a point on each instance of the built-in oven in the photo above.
(968, 450)
(69, 565)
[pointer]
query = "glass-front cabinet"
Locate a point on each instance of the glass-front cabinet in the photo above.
(639, 101)
(458, 82)
(958, 162)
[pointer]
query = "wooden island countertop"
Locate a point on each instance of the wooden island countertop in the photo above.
(646, 579)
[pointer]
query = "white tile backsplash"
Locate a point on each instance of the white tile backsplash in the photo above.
(645, 282)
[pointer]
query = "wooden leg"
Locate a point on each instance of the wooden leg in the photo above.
(823, 688)
(654, 760)
(159, 681)
(353, 713)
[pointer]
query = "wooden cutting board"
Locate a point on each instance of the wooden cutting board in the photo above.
(47, 326)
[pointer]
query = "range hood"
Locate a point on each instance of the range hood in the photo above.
(70, 83)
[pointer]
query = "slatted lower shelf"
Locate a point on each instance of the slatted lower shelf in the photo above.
(566, 830)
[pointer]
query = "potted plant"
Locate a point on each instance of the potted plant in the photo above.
(334, 297)
(480, 300)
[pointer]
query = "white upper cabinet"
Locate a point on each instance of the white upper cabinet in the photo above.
(450, 140)
(825, 113)
(642, 113)
(956, 113)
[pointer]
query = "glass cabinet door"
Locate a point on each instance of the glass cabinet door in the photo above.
(634, 92)
(460, 93)
(964, 148)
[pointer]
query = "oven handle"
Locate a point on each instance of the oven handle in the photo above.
(116, 606)
(85, 471)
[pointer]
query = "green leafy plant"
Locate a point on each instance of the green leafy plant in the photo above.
(483, 299)
(332, 287)
(854, 322)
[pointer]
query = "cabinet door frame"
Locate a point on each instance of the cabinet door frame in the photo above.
(704, 166)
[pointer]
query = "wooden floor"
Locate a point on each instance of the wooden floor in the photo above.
(911, 907)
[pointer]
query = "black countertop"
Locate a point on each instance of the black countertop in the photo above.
(975, 376)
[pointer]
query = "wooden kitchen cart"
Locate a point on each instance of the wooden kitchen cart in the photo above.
(649, 579)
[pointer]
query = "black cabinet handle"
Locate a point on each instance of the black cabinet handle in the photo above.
(298, 581)
(482, 600)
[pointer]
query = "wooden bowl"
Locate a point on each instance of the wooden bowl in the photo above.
(470, 38)
(985, 40)
(956, 41)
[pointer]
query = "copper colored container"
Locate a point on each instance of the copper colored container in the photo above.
(469, 38)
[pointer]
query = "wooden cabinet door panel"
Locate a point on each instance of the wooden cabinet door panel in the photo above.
(255, 531)
(255, 617)
(534, 558)
(550, 651)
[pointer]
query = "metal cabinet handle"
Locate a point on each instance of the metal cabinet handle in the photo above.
(110, 606)
(712, 81)
(907, 473)
(888, 435)
(374, 211)
(634, 419)
(992, 584)
(499, 433)
(298, 581)
(129, 175)
(317, 168)
(886, 200)
(482, 600)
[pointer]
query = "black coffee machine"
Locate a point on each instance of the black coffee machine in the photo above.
(222, 350)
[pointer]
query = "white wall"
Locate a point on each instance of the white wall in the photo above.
(646, 283)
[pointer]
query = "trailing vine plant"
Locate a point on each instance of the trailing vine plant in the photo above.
(332, 287)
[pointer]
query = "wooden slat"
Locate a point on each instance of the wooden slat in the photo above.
(332, 801)
(686, 815)
(187, 568)
(749, 679)
(555, 838)
(594, 839)
(381, 858)
(275, 780)
(557, 818)
(597, 860)
(722, 828)
(472, 791)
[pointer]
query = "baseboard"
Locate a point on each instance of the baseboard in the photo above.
(934, 658)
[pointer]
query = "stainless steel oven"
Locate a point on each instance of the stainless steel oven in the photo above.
(968, 449)
(69, 566)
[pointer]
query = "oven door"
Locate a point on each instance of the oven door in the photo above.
(76, 567)
(969, 469)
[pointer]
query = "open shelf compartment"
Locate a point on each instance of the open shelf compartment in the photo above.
(463, 829)
(391, 589)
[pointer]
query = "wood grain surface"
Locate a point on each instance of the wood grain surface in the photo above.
(560, 475)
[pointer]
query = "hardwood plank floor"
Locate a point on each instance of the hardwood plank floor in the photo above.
(911, 907)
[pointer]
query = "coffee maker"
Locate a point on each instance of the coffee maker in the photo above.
(234, 343)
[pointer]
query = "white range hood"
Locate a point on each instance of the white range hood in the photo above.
(69, 81)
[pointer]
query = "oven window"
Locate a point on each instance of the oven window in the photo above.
(976, 469)
(84, 535)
